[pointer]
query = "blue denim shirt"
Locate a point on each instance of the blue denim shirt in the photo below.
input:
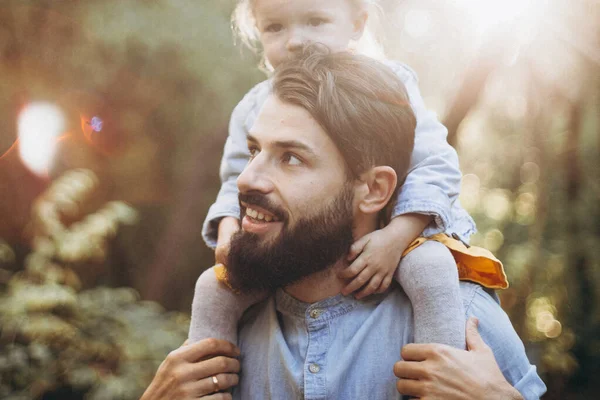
(343, 348)
(431, 187)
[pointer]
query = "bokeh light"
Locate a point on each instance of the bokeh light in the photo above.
(493, 240)
(497, 204)
(530, 172)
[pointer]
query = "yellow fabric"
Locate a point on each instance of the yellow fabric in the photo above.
(221, 274)
(474, 264)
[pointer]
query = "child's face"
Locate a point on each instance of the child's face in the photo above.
(286, 25)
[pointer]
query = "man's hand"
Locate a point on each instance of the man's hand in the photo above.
(435, 371)
(187, 372)
(228, 226)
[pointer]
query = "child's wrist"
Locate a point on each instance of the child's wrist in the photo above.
(227, 227)
(409, 226)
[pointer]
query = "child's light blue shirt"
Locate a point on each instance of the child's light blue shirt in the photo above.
(431, 187)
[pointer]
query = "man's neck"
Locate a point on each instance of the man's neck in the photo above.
(319, 286)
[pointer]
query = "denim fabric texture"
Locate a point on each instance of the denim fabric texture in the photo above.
(431, 187)
(343, 348)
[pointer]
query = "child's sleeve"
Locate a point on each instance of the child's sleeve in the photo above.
(235, 158)
(433, 182)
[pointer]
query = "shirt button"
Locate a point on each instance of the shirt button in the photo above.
(314, 368)
(315, 313)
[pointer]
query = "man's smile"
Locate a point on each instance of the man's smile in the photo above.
(257, 219)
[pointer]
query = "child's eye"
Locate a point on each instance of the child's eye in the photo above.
(290, 159)
(316, 21)
(274, 28)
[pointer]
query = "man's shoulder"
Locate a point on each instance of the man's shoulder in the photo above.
(475, 293)
(498, 332)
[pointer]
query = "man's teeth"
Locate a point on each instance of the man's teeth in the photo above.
(258, 215)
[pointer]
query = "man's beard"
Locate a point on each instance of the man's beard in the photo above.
(312, 245)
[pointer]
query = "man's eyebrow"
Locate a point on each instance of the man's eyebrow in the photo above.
(286, 144)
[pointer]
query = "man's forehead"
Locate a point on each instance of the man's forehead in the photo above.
(282, 121)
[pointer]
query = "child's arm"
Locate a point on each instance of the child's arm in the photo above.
(235, 158)
(424, 203)
(433, 183)
(227, 227)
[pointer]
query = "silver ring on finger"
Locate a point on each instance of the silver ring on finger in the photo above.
(215, 382)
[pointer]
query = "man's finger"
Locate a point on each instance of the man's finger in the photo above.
(208, 347)
(417, 352)
(212, 366)
(357, 247)
(410, 387)
(409, 370)
(209, 385)
(217, 396)
(474, 340)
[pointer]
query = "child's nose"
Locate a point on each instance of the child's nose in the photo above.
(295, 41)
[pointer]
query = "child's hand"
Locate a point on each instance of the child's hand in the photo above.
(376, 255)
(375, 258)
(227, 227)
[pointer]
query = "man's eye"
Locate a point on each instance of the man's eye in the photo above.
(253, 150)
(316, 21)
(291, 159)
(274, 28)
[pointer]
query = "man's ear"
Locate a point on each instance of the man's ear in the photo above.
(360, 23)
(380, 184)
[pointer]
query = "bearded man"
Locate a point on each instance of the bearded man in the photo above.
(329, 149)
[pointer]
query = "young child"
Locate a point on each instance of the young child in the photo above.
(427, 203)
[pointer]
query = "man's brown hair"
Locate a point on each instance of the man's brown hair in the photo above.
(360, 102)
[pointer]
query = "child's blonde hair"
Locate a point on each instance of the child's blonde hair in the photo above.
(244, 26)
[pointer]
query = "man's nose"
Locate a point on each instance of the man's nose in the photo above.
(255, 177)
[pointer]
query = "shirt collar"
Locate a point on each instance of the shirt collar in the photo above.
(335, 305)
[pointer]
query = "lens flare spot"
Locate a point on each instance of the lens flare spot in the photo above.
(40, 124)
(96, 124)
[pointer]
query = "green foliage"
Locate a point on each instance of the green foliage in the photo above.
(103, 342)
